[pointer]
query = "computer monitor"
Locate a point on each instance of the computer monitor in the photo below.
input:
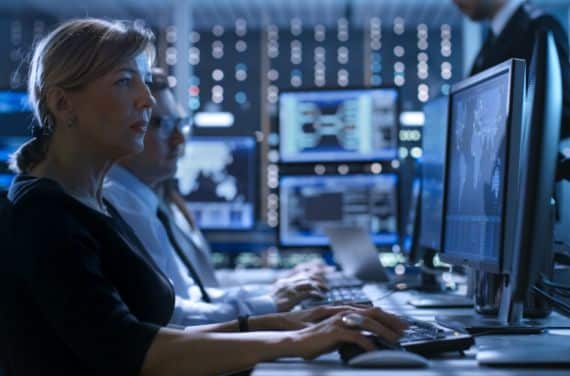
(15, 124)
(540, 148)
(482, 172)
(338, 125)
(216, 176)
(484, 187)
(434, 136)
(411, 226)
(309, 204)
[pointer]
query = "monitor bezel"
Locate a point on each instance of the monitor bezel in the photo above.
(251, 187)
(517, 84)
(379, 246)
(336, 88)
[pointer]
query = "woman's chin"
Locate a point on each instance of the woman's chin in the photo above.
(134, 147)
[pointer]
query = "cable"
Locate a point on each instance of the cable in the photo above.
(555, 285)
(556, 303)
(384, 296)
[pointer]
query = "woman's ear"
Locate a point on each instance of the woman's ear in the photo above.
(59, 104)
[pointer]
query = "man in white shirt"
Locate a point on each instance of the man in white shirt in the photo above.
(133, 188)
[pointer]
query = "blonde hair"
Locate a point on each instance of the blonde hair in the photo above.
(70, 57)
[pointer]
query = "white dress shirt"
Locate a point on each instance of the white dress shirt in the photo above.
(502, 17)
(137, 204)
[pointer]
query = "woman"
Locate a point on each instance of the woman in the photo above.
(80, 296)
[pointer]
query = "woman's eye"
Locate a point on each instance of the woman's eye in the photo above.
(123, 81)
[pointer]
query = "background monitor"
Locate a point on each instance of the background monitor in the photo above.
(434, 138)
(216, 176)
(15, 124)
(482, 167)
(411, 227)
(338, 125)
(308, 204)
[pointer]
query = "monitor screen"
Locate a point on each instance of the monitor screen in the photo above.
(410, 229)
(338, 125)
(8, 145)
(433, 170)
(476, 171)
(308, 204)
(15, 124)
(216, 176)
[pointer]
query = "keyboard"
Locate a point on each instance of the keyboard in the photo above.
(339, 296)
(421, 338)
(338, 280)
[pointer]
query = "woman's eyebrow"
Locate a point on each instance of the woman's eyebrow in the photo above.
(127, 70)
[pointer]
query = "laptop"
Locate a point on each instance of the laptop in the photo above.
(355, 252)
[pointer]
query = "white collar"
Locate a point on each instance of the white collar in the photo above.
(142, 191)
(502, 17)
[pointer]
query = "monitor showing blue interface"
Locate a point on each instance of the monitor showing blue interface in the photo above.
(338, 125)
(410, 229)
(216, 176)
(309, 204)
(15, 124)
(476, 172)
(434, 138)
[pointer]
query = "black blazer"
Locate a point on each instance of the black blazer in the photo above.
(517, 41)
(79, 296)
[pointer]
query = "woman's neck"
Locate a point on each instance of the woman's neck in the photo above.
(80, 172)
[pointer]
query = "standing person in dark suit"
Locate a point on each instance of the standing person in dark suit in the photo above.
(514, 24)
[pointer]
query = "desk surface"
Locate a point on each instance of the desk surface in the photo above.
(447, 364)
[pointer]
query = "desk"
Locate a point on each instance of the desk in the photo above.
(447, 364)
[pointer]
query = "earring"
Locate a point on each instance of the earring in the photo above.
(72, 122)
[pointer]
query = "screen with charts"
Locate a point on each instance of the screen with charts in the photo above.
(338, 125)
(217, 178)
(308, 204)
(477, 153)
(434, 140)
(15, 124)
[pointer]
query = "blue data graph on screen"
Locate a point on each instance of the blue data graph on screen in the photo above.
(308, 204)
(338, 125)
(216, 176)
(15, 123)
(477, 170)
(13, 101)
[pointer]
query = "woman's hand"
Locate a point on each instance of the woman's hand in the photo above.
(299, 319)
(325, 336)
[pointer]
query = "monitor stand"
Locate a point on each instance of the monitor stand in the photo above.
(508, 321)
(434, 294)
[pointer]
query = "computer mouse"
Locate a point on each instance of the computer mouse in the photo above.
(389, 359)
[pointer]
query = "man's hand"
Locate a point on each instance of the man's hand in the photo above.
(288, 292)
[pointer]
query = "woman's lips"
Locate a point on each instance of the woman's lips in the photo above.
(139, 126)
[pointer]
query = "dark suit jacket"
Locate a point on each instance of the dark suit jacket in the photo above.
(517, 41)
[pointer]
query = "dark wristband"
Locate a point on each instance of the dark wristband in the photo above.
(243, 323)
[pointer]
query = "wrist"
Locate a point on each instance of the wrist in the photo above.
(243, 323)
(265, 322)
(281, 345)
